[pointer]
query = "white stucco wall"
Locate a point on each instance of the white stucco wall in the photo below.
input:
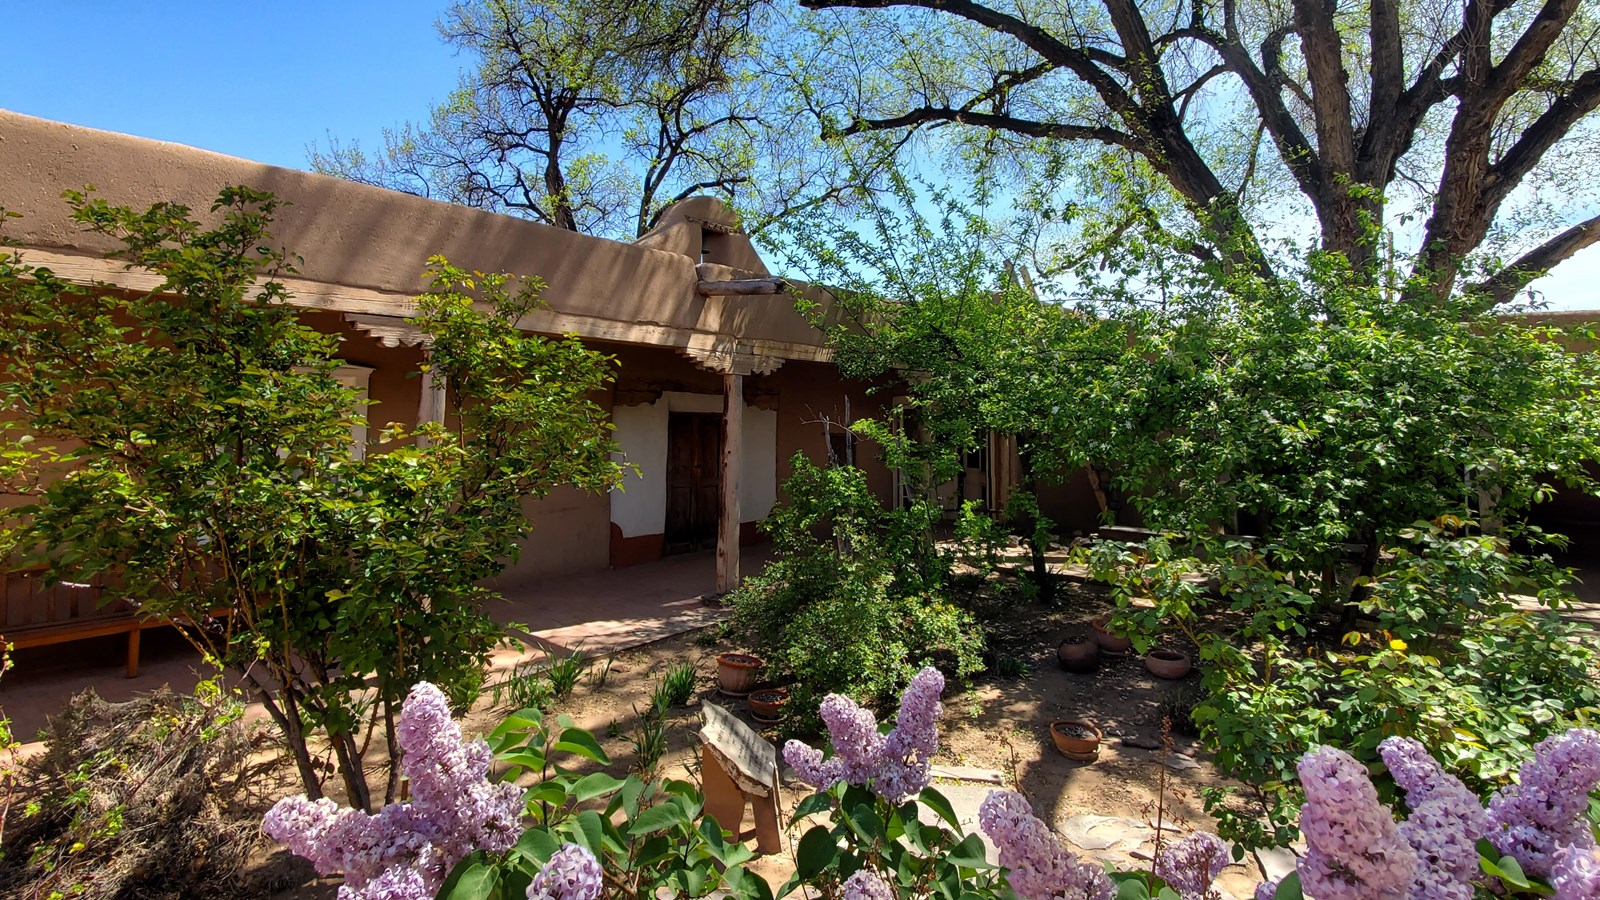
(639, 507)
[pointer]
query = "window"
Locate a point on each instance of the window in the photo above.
(357, 379)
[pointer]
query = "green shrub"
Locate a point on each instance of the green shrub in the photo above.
(677, 685)
(564, 672)
(851, 604)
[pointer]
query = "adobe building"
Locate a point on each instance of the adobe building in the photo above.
(718, 382)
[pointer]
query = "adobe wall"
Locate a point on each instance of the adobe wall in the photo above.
(808, 392)
(362, 237)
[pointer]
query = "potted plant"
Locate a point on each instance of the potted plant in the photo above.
(1077, 739)
(1165, 662)
(767, 704)
(1077, 653)
(1111, 644)
(737, 673)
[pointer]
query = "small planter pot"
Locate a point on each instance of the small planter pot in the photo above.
(1077, 739)
(1165, 662)
(737, 673)
(767, 705)
(1078, 654)
(1110, 644)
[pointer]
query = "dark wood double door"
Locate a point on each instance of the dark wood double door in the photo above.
(694, 481)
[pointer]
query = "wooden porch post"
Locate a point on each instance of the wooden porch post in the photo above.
(732, 459)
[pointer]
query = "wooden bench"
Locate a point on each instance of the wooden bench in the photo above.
(34, 614)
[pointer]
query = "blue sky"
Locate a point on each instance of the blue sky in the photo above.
(264, 80)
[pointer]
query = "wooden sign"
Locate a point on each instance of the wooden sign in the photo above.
(738, 765)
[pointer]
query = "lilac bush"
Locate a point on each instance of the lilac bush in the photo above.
(571, 874)
(1038, 867)
(1575, 874)
(866, 885)
(1190, 866)
(895, 766)
(404, 851)
(1544, 811)
(1445, 824)
(1354, 849)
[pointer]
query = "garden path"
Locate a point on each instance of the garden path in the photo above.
(601, 612)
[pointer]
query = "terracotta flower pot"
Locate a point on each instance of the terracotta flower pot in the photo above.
(1165, 662)
(1077, 739)
(1110, 644)
(768, 704)
(1078, 654)
(737, 673)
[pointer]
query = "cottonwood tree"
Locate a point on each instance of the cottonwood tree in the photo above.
(594, 116)
(1451, 115)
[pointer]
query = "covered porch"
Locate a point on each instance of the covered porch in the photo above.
(600, 612)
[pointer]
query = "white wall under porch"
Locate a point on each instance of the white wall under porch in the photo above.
(639, 506)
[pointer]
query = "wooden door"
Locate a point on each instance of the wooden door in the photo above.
(694, 460)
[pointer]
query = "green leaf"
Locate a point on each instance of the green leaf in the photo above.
(537, 845)
(969, 854)
(1132, 889)
(1289, 888)
(471, 879)
(581, 743)
(656, 818)
(941, 806)
(816, 803)
(589, 831)
(816, 852)
(597, 784)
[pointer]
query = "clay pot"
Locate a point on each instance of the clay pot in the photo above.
(1165, 662)
(767, 704)
(1077, 739)
(737, 673)
(1078, 654)
(1110, 644)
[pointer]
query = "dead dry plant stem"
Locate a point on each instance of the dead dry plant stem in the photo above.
(1161, 788)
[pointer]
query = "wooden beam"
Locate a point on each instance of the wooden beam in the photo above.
(732, 459)
(742, 288)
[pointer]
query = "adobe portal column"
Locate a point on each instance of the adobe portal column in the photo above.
(732, 460)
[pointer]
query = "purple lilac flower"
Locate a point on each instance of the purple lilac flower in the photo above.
(897, 765)
(1445, 824)
(1190, 865)
(1267, 890)
(856, 742)
(571, 874)
(1038, 867)
(865, 885)
(1575, 874)
(1354, 848)
(405, 850)
(1543, 811)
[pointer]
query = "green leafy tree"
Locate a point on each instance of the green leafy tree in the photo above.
(1213, 120)
(190, 444)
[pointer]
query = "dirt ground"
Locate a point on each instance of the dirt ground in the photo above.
(998, 723)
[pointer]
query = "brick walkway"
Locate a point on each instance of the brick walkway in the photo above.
(601, 612)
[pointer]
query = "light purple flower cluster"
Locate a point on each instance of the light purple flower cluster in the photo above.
(1190, 865)
(1445, 824)
(1267, 890)
(1576, 874)
(405, 850)
(1354, 849)
(897, 765)
(1543, 811)
(571, 874)
(1039, 868)
(866, 885)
